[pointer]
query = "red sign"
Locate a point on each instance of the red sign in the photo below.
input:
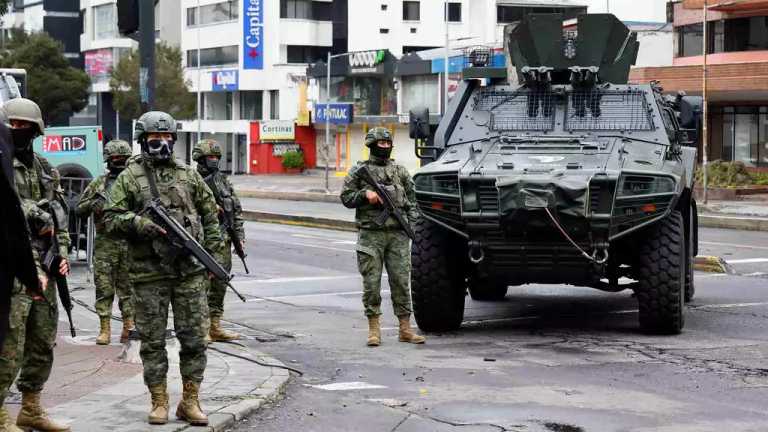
(62, 143)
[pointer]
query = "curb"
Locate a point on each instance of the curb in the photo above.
(227, 417)
(306, 221)
(733, 222)
(290, 196)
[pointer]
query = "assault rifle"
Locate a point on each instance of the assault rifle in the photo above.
(52, 261)
(228, 219)
(183, 242)
(390, 209)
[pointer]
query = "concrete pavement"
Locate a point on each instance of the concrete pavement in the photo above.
(100, 388)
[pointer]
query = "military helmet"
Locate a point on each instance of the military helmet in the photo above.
(155, 122)
(116, 148)
(206, 147)
(377, 134)
(25, 109)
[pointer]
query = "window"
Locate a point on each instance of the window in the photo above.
(510, 14)
(383, 7)
(274, 104)
(411, 11)
(299, 9)
(420, 91)
(214, 13)
(217, 106)
(214, 56)
(251, 105)
(383, 31)
(306, 54)
(690, 39)
(454, 12)
(104, 22)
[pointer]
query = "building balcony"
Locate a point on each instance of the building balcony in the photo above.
(306, 32)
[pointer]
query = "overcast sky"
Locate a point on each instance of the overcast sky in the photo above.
(631, 10)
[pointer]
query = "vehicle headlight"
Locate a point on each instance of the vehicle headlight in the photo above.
(637, 185)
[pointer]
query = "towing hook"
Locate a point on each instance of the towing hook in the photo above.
(597, 258)
(476, 252)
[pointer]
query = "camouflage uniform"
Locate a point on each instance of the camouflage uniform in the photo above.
(386, 245)
(158, 277)
(228, 201)
(28, 347)
(111, 258)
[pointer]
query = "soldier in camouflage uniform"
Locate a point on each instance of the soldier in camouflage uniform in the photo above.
(111, 264)
(28, 347)
(385, 245)
(159, 277)
(207, 154)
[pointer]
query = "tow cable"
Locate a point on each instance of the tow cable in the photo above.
(595, 255)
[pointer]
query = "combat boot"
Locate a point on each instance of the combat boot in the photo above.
(374, 331)
(32, 416)
(105, 332)
(6, 423)
(159, 413)
(218, 334)
(128, 325)
(189, 407)
(406, 334)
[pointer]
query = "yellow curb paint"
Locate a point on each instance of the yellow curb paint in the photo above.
(710, 264)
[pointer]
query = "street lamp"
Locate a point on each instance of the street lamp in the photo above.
(327, 117)
(199, 81)
(705, 119)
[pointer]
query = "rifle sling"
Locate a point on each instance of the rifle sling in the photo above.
(151, 179)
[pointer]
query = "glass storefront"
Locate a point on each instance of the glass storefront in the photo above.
(744, 134)
(729, 35)
(370, 95)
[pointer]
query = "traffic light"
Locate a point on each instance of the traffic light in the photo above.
(127, 16)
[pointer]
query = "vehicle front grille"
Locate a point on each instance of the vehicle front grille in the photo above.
(488, 198)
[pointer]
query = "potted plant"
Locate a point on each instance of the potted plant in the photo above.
(293, 162)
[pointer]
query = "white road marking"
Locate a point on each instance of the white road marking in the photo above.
(334, 240)
(283, 242)
(729, 305)
(748, 261)
(743, 246)
(299, 296)
(353, 385)
(297, 279)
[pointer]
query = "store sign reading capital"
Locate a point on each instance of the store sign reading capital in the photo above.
(366, 61)
(253, 34)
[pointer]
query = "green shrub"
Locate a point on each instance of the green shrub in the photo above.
(726, 174)
(293, 159)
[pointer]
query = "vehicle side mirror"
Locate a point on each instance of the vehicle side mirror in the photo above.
(418, 127)
(690, 109)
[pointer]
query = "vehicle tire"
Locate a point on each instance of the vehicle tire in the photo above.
(661, 273)
(690, 254)
(487, 289)
(438, 286)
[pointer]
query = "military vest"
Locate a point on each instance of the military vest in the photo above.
(390, 176)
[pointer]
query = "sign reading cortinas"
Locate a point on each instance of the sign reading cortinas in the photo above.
(277, 130)
(366, 61)
(253, 34)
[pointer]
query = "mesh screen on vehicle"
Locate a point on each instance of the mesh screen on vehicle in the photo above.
(594, 109)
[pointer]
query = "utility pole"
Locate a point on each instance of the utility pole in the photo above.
(147, 54)
(447, 58)
(705, 119)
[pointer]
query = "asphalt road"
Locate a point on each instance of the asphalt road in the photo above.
(548, 358)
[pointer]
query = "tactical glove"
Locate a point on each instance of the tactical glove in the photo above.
(146, 228)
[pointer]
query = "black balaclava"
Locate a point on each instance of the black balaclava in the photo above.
(381, 152)
(208, 165)
(116, 165)
(22, 142)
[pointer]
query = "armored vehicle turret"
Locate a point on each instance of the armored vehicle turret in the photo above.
(562, 173)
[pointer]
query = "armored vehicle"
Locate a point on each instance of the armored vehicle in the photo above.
(557, 172)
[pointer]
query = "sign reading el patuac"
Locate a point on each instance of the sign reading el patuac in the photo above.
(367, 62)
(225, 80)
(335, 113)
(277, 130)
(253, 34)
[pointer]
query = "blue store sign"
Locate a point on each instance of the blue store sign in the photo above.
(253, 34)
(338, 113)
(222, 81)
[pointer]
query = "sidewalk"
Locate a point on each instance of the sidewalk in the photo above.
(100, 388)
(301, 199)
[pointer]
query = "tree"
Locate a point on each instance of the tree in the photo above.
(172, 93)
(52, 82)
